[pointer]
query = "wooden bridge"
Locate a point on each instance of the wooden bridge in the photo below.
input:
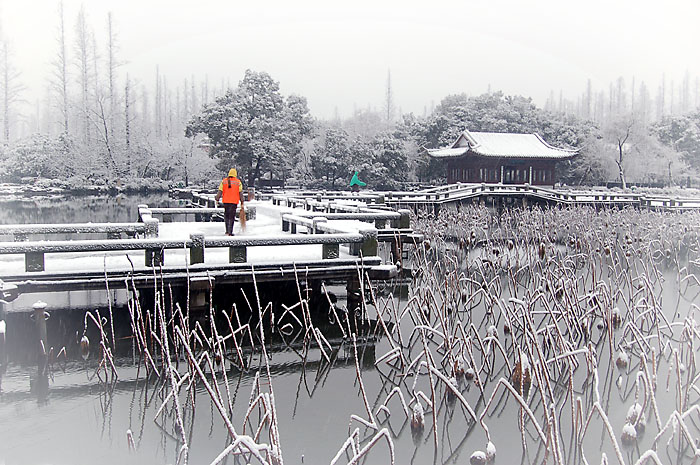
(487, 194)
(282, 242)
(525, 194)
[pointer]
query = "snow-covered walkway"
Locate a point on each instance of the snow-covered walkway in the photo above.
(267, 225)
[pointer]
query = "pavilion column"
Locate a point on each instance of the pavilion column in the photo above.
(502, 170)
(530, 176)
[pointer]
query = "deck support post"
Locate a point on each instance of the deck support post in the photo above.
(368, 246)
(404, 222)
(315, 222)
(34, 261)
(40, 317)
(155, 257)
(354, 298)
(237, 254)
(143, 212)
(197, 249)
(151, 227)
(331, 251)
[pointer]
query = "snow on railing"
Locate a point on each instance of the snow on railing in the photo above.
(301, 199)
(113, 230)
(320, 226)
(458, 192)
(200, 213)
(196, 244)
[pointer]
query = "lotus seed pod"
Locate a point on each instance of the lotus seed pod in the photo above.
(451, 396)
(633, 413)
(490, 452)
(641, 423)
(459, 368)
(492, 331)
(616, 318)
(622, 360)
(629, 434)
(469, 374)
(521, 379)
(478, 458)
(417, 418)
(85, 347)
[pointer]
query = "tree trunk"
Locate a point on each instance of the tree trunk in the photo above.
(82, 44)
(619, 161)
(127, 128)
(63, 73)
(255, 173)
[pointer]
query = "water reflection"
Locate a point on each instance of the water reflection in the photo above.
(78, 209)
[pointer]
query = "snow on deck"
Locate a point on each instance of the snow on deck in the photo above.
(267, 223)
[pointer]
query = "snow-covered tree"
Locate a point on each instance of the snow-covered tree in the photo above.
(253, 127)
(331, 158)
(390, 161)
(11, 90)
(59, 74)
(82, 50)
(682, 134)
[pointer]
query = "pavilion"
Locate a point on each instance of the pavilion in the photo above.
(490, 157)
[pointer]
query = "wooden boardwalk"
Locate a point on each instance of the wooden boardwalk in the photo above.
(524, 194)
(488, 194)
(183, 245)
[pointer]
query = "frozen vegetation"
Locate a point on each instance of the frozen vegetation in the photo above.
(561, 335)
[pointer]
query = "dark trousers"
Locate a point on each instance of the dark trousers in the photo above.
(230, 216)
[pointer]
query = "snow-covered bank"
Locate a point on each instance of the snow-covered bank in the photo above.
(31, 187)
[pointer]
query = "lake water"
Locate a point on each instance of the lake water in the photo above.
(79, 419)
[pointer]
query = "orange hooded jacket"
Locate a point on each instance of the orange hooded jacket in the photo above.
(231, 187)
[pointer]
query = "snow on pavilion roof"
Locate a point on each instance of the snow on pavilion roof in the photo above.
(496, 144)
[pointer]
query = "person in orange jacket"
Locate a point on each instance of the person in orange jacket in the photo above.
(230, 193)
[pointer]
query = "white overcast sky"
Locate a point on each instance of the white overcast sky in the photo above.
(337, 53)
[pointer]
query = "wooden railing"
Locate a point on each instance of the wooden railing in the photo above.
(199, 213)
(458, 192)
(21, 232)
(34, 251)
